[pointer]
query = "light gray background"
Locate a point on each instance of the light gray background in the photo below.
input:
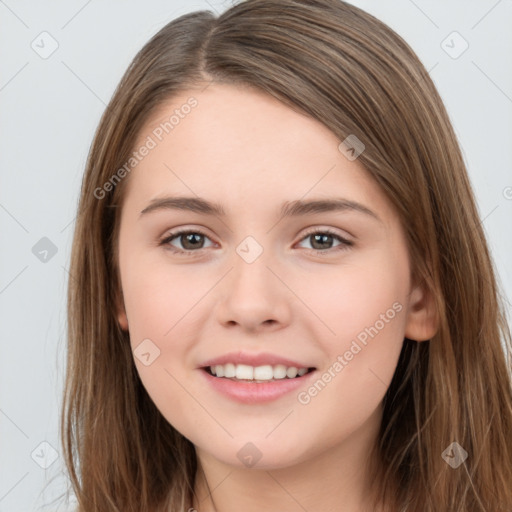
(50, 108)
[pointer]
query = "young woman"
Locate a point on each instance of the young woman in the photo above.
(282, 297)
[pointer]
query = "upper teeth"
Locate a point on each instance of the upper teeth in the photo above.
(266, 372)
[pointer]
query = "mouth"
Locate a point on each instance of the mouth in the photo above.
(253, 385)
(257, 374)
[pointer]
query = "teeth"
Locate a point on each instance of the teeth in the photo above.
(258, 373)
(291, 372)
(243, 372)
(229, 370)
(263, 372)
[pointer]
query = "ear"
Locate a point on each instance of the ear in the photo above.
(121, 311)
(422, 315)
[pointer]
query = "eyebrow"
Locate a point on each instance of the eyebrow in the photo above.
(288, 209)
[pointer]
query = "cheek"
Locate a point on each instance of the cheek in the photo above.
(364, 308)
(160, 296)
(352, 297)
(160, 306)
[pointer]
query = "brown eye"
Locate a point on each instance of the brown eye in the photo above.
(325, 241)
(189, 241)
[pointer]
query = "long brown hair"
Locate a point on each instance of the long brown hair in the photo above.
(340, 65)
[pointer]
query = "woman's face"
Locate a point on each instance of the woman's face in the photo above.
(256, 293)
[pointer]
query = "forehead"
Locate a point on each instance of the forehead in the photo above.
(228, 141)
(229, 115)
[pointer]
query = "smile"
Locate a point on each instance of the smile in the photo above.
(259, 374)
(255, 385)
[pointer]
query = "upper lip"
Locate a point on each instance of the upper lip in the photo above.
(260, 359)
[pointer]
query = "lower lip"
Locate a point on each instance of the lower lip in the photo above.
(256, 392)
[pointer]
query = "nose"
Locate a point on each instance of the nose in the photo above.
(254, 296)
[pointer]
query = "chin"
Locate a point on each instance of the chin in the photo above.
(258, 454)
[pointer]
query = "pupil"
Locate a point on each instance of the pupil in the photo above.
(189, 238)
(322, 238)
(193, 240)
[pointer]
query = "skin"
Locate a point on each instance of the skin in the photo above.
(249, 152)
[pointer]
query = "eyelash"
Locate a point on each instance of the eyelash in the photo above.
(345, 244)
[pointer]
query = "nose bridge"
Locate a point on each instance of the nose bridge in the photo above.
(253, 295)
(251, 263)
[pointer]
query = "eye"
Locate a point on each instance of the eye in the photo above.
(193, 241)
(322, 240)
(190, 241)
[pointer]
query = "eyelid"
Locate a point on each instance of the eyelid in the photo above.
(168, 237)
(314, 229)
(327, 230)
(344, 245)
(345, 242)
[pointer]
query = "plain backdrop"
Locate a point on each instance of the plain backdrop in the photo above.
(59, 64)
